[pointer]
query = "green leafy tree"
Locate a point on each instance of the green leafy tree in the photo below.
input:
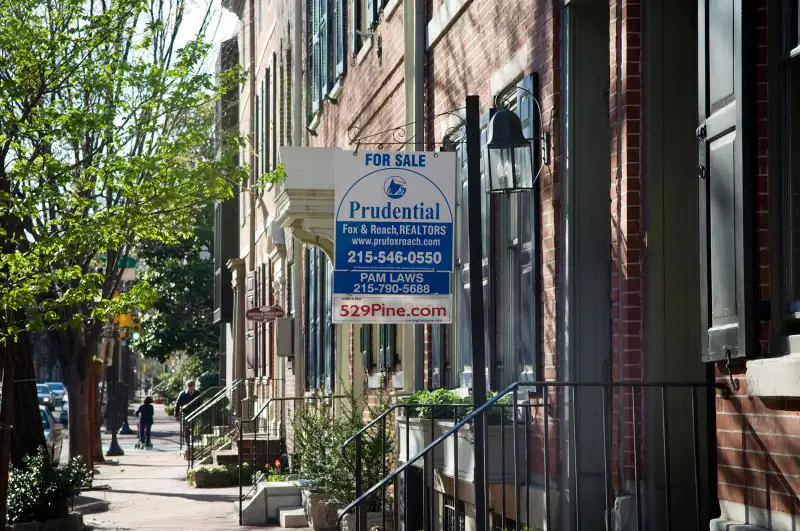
(98, 146)
(180, 320)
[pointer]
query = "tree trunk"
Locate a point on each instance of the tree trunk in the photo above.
(27, 436)
(6, 417)
(80, 437)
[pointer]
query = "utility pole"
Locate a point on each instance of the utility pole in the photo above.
(114, 448)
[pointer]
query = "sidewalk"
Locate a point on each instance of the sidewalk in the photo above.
(147, 490)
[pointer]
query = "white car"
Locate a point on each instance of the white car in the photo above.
(64, 416)
(59, 390)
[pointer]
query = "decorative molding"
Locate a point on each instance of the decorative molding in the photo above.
(774, 377)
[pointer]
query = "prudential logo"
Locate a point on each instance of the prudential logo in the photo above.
(394, 187)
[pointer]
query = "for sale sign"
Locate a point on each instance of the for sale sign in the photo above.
(394, 236)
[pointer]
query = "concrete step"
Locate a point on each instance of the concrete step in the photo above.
(293, 517)
(225, 457)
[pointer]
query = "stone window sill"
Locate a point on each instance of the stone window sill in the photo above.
(774, 377)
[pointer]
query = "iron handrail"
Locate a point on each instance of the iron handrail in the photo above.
(241, 422)
(209, 403)
(386, 413)
(468, 419)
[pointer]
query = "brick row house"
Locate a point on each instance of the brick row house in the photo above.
(657, 244)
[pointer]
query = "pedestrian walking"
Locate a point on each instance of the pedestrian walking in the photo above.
(145, 413)
(184, 398)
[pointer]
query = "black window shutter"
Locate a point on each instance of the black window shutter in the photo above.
(727, 157)
(316, 52)
(325, 48)
(330, 329)
(382, 367)
(339, 32)
(366, 347)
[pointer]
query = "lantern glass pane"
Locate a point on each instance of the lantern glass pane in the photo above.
(523, 165)
(501, 169)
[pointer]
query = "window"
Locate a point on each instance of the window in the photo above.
(290, 276)
(266, 158)
(325, 49)
(517, 259)
(453, 520)
(509, 268)
(273, 113)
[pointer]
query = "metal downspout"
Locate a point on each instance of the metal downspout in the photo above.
(297, 74)
(620, 298)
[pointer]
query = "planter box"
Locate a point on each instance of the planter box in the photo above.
(499, 456)
(321, 513)
(417, 437)
(373, 520)
(205, 480)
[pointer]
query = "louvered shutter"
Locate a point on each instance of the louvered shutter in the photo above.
(316, 52)
(330, 329)
(250, 348)
(339, 32)
(313, 317)
(465, 349)
(325, 48)
(727, 167)
(366, 348)
(382, 367)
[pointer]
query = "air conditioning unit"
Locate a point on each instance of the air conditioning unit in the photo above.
(284, 332)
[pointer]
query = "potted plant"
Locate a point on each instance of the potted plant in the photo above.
(326, 473)
(418, 426)
(501, 439)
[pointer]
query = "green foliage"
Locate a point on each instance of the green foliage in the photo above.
(169, 410)
(207, 380)
(39, 492)
(278, 175)
(446, 400)
(320, 430)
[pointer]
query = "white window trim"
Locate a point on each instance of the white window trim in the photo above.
(315, 121)
(366, 46)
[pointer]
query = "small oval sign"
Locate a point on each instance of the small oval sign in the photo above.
(264, 314)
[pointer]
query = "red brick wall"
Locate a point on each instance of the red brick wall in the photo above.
(626, 225)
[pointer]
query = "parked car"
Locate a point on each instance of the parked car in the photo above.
(64, 416)
(59, 390)
(46, 396)
(52, 434)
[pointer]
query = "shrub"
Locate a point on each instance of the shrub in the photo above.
(39, 492)
(319, 434)
(169, 410)
(207, 380)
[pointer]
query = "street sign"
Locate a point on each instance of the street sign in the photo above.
(393, 251)
(264, 314)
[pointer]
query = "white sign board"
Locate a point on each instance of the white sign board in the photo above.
(393, 250)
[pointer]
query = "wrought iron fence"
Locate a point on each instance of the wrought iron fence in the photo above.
(210, 426)
(559, 455)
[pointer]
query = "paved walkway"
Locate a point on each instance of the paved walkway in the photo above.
(147, 490)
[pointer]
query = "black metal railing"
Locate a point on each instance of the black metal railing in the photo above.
(537, 444)
(267, 425)
(194, 405)
(210, 426)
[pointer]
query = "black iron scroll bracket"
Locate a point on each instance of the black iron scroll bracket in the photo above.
(400, 134)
